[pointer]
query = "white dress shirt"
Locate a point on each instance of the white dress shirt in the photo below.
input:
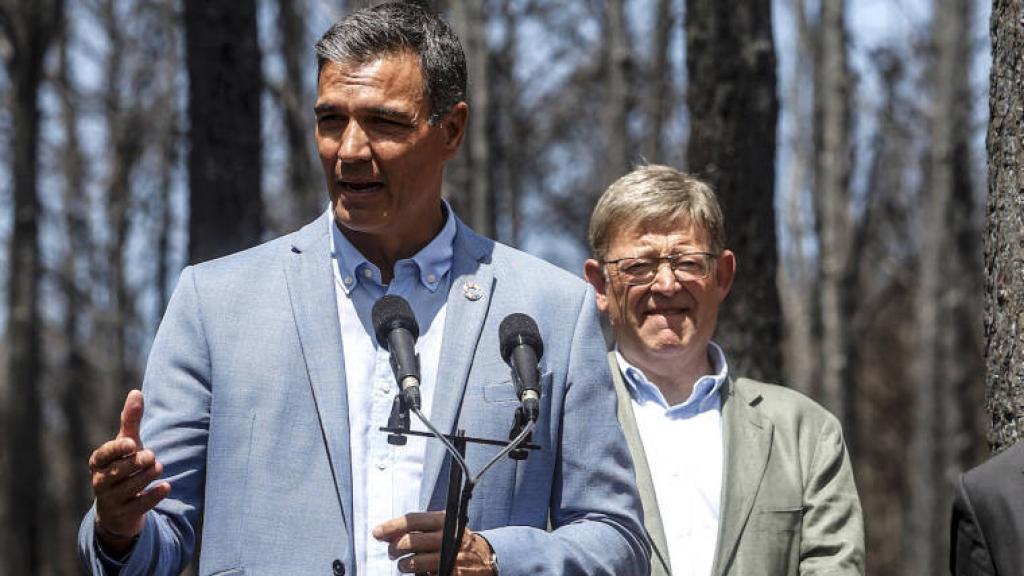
(386, 479)
(684, 448)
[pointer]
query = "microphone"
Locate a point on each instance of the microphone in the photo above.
(521, 348)
(396, 329)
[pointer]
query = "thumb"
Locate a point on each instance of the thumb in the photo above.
(131, 418)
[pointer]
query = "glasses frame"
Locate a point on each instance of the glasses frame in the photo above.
(670, 259)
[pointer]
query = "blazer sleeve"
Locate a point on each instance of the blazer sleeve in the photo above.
(175, 426)
(832, 537)
(595, 507)
(968, 550)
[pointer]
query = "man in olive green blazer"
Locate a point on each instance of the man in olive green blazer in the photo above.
(737, 477)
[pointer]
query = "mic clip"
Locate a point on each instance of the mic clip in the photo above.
(398, 421)
(518, 424)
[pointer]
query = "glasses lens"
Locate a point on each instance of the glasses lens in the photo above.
(638, 270)
(690, 266)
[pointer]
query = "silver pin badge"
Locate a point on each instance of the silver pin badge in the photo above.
(472, 291)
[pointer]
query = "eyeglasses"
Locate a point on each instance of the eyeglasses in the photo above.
(687, 266)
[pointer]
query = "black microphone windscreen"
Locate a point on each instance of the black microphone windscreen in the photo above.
(389, 313)
(518, 329)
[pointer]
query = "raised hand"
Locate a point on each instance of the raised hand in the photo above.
(121, 470)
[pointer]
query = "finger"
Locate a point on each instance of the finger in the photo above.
(130, 487)
(131, 417)
(145, 501)
(110, 452)
(121, 469)
(127, 517)
(429, 562)
(411, 522)
(415, 543)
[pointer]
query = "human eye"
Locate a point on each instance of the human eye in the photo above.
(689, 262)
(330, 121)
(637, 267)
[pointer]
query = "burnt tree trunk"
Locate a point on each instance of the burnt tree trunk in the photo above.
(1004, 239)
(615, 106)
(730, 62)
(30, 28)
(305, 184)
(223, 61)
(832, 204)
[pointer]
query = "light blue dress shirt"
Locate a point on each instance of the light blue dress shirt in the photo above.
(685, 453)
(385, 478)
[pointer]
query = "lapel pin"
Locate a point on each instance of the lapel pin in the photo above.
(472, 291)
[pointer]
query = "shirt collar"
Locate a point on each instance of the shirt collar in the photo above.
(706, 389)
(432, 262)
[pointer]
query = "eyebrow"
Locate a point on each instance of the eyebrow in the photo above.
(383, 111)
(391, 113)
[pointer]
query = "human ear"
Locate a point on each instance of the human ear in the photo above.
(595, 276)
(726, 273)
(454, 125)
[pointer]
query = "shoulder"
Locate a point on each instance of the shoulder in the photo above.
(1005, 468)
(253, 266)
(521, 274)
(786, 408)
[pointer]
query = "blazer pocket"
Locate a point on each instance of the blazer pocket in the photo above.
(231, 572)
(787, 520)
(504, 392)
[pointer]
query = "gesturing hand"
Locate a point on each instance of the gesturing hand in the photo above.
(121, 470)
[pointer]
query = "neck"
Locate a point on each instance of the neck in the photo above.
(384, 249)
(674, 375)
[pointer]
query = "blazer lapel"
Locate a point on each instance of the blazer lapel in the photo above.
(747, 441)
(311, 290)
(469, 298)
(660, 564)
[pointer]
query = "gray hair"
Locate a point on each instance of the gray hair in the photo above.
(394, 27)
(654, 193)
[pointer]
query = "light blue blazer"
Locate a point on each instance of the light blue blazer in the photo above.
(246, 408)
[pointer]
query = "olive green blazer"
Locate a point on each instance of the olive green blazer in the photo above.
(789, 502)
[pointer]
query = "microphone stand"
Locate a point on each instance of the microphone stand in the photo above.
(459, 492)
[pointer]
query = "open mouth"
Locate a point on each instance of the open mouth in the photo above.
(360, 187)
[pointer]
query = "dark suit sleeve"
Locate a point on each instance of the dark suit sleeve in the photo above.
(968, 551)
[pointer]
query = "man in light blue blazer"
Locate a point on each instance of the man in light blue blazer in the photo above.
(264, 389)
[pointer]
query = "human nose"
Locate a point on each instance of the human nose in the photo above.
(355, 145)
(665, 280)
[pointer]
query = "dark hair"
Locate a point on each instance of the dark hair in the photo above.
(394, 27)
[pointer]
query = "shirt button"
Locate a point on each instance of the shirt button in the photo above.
(382, 464)
(367, 272)
(348, 282)
(431, 278)
(384, 387)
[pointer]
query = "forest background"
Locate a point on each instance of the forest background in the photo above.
(868, 154)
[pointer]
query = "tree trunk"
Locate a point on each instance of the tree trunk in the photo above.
(471, 183)
(305, 182)
(730, 62)
(937, 410)
(616, 103)
(797, 280)
(832, 204)
(77, 400)
(660, 82)
(1004, 240)
(223, 60)
(30, 28)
